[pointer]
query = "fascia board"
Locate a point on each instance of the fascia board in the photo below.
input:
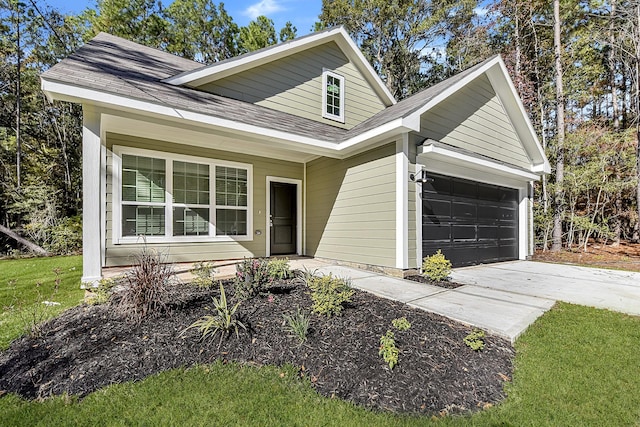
(77, 94)
(498, 168)
(508, 94)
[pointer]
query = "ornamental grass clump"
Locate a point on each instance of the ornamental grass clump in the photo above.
(279, 269)
(329, 294)
(222, 320)
(146, 287)
(436, 267)
(297, 325)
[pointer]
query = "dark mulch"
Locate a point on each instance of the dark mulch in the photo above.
(443, 284)
(89, 347)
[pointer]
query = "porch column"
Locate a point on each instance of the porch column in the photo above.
(91, 221)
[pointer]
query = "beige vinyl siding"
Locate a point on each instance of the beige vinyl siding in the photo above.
(197, 251)
(474, 119)
(351, 208)
(294, 85)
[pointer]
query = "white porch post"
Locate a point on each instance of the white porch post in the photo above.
(402, 202)
(91, 190)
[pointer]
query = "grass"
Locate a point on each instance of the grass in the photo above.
(21, 297)
(575, 366)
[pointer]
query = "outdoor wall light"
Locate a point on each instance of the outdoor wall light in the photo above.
(420, 176)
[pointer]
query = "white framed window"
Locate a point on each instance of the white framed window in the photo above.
(333, 96)
(169, 197)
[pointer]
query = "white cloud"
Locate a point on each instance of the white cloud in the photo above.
(264, 7)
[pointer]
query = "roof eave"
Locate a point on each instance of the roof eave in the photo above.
(64, 91)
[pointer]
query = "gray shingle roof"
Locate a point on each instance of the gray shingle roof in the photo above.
(118, 66)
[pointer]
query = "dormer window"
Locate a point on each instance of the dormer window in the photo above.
(333, 96)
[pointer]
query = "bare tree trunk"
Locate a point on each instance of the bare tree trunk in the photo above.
(26, 243)
(18, 99)
(615, 111)
(559, 193)
(636, 236)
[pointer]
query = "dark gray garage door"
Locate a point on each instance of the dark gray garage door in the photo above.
(471, 222)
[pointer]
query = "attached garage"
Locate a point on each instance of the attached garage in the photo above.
(471, 222)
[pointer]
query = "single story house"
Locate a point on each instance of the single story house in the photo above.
(298, 148)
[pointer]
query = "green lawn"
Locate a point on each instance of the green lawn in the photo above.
(26, 283)
(574, 366)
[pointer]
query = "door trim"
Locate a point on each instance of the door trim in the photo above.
(298, 184)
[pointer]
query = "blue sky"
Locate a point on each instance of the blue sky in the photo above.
(302, 14)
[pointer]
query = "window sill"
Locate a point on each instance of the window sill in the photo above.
(178, 239)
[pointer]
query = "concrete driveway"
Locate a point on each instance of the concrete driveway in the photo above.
(595, 287)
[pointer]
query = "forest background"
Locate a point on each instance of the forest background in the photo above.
(575, 64)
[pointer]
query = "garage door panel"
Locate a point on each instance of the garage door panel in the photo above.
(437, 208)
(486, 232)
(439, 185)
(437, 233)
(464, 211)
(467, 189)
(463, 233)
(470, 222)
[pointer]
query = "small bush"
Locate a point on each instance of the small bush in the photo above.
(475, 340)
(204, 272)
(297, 325)
(146, 290)
(252, 278)
(102, 293)
(436, 267)
(329, 294)
(401, 324)
(279, 269)
(223, 320)
(388, 350)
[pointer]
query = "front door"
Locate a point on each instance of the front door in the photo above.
(283, 218)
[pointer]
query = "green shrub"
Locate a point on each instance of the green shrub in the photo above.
(297, 325)
(252, 278)
(436, 267)
(223, 320)
(102, 293)
(204, 272)
(401, 324)
(146, 287)
(475, 340)
(388, 350)
(279, 269)
(329, 294)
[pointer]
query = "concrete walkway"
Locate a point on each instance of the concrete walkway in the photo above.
(594, 287)
(505, 298)
(503, 313)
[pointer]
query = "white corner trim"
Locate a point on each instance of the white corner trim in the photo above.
(402, 202)
(523, 221)
(299, 212)
(91, 200)
(418, 168)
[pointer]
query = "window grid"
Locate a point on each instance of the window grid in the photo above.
(333, 96)
(145, 210)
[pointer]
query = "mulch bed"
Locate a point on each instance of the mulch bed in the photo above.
(89, 347)
(443, 284)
